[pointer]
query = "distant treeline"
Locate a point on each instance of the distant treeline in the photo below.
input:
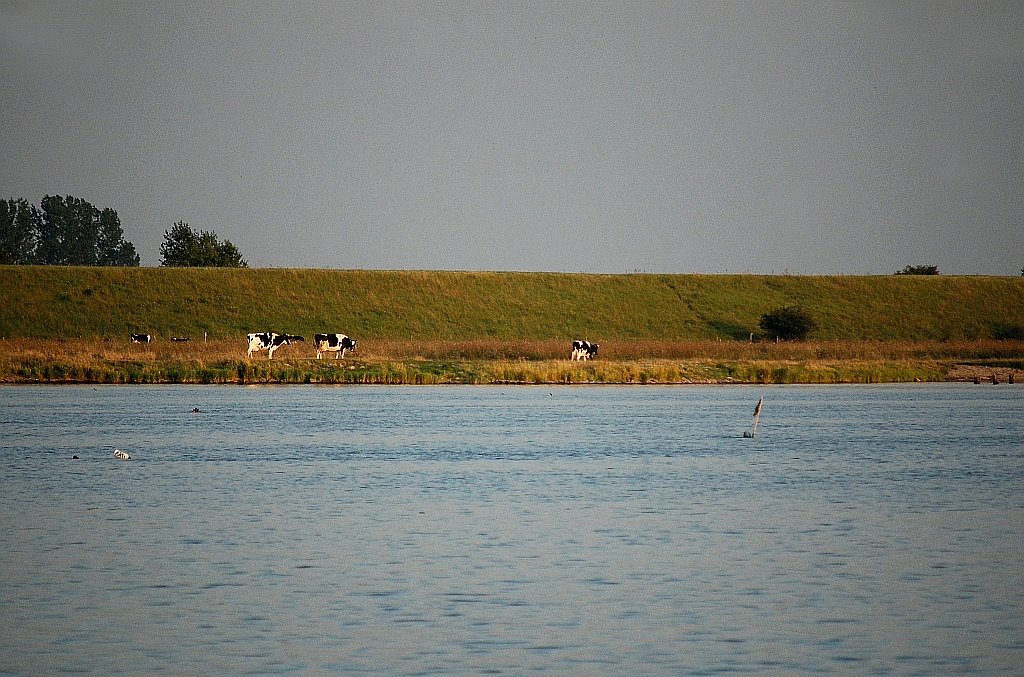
(66, 231)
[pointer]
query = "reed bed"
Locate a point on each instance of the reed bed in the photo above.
(492, 361)
(985, 349)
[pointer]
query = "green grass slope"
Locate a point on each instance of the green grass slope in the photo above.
(47, 301)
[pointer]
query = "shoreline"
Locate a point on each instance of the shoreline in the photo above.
(504, 373)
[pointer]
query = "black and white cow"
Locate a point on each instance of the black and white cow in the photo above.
(583, 350)
(141, 338)
(333, 343)
(270, 342)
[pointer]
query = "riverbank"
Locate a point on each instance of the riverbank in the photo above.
(524, 362)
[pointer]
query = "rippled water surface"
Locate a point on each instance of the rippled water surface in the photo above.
(475, 530)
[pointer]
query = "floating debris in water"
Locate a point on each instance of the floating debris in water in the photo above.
(123, 455)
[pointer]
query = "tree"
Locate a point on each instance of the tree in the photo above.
(19, 224)
(72, 232)
(180, 245)
(792, 322)
(112, 249)
(185, 247)
(229, 255)
(62, 240)
(919, 270)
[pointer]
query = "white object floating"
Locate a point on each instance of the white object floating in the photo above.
(123, 455)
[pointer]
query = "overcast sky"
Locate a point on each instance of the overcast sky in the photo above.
(764, 137)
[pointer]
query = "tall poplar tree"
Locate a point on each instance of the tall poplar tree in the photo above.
(19, 224)
(72, 232)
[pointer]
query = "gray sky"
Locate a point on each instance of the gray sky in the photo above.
(808, 137)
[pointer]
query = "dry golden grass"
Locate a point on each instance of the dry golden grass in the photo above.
(384, 349)
(695, 350)
(489, 361)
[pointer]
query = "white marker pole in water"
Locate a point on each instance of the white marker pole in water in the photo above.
(757, 415)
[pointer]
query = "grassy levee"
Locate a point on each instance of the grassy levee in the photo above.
(476, 327)
(47, 301)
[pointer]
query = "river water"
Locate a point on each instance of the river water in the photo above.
(512, 530)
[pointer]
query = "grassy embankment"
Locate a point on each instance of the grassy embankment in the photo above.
(72, 324)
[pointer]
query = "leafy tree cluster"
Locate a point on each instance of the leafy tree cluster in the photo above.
(65, 231)
(919, 270)
(790, 323)
(185, 247)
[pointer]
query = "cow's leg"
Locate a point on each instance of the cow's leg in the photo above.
(270, 352)
(318, 353)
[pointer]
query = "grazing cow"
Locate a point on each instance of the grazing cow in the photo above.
(141, 338)
(270, 342)
(333, 343)
(583, 350)
(179, 339)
